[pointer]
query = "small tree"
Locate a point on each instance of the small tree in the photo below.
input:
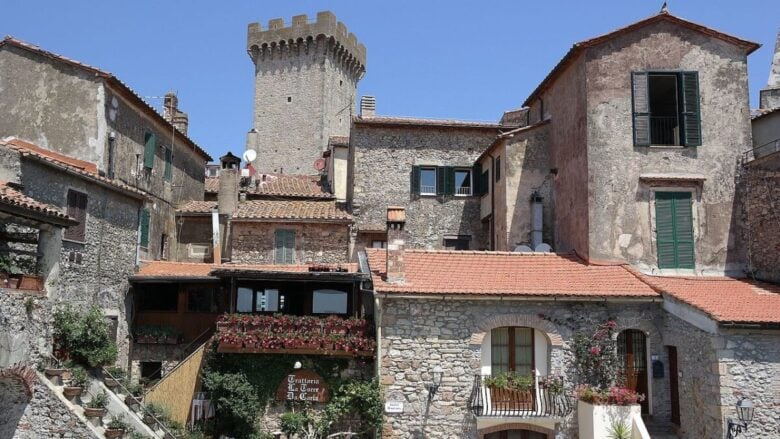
(85, 336)
(595, 357)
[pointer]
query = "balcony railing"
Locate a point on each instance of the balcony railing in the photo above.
(304, 335)
(664, 130)
(547, 398)
(761, 151)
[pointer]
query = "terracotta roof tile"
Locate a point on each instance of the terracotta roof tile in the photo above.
(415, 121)
(504, 273)
(82, 168)
(211, 185)
(724, 299)
(291, 210)
(279, 185)
(183, 270)
(111, 79)
(13, 197)
(197, 207)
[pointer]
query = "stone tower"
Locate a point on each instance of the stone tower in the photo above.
(770, 95)
(306, 79)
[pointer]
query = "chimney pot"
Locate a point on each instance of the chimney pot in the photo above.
(367, 106)
(396, 243)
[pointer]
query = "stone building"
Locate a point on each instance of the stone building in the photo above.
(426, 166)
(306, 77)
(106, 124)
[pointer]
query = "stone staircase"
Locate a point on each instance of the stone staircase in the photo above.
(115, 408)
(660, 430)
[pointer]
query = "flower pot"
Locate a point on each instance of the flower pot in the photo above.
(111, 383)
(53, 371)
(91, 412)
(114, 432)
(595, 421)
(72, 392)
(29, 282)
(148, 419)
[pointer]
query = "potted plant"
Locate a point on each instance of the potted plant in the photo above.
(78, 380)
(113, 376)
(171, 336)
(54, 372)
(511, 391)
(96, 407)
(230, 340)
(145, 334)
(6, 270)
(153, 411)
(115, 428)
(136, 396)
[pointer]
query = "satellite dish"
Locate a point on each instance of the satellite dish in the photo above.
(250, 155)
(543, 248)
(522, 249)
(320, 164)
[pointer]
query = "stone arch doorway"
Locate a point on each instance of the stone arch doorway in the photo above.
(632, 350)
(516, 431)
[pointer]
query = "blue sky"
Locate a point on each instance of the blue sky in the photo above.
(440, 59)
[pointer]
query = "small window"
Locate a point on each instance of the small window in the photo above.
(201, 300)
(427, 181)
(144, 228)
(160, 297)
(289, 98)
(457, 242)
(329, 302)
(666, 108)
(512, 350)
(497, 170)
(77, 209)
(284, 248)
(267, 300)
(168, 164)
(244, 300)
(163, 246)
(378, 243)
(463, 182)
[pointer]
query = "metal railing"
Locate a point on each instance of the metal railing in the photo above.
(463, 190)
(427, 190)
(761, 151)
(139, 401)
(664, 130)
(547, 398)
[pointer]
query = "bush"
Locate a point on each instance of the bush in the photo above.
(595, 357)
(236, 402)
(85, 336)
(79, 376)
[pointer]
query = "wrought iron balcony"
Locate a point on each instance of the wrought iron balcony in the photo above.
(547, 398)
(664, 130)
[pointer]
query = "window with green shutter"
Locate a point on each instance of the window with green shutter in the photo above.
(284, 247)
(168, 164)
(144, 228)
(674, 229)
(666, 108)
(150, 144)
(415, 183)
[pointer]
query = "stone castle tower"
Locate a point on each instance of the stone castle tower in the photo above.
(306, 79)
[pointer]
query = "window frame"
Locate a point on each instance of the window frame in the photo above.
(76, 233)
(470, 173)
(284, 259)
(688, 114)
(435, 186)
(511, 348)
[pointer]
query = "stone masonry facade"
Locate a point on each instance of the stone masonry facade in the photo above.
(253, 242)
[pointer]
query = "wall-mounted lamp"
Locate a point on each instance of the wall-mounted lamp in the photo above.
(297, 365)
(745, 411)
(437, 374)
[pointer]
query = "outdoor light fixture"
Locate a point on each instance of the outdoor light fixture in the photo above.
(437, 373)
(297, 365)
(745, 411)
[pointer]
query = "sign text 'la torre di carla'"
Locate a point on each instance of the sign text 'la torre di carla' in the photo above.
(303, 385)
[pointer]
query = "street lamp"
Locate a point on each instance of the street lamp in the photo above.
(437, 374)
(745, 411)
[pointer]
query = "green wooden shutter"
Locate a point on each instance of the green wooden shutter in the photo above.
(691, 115)
(674, 230)
(441, 179)
(150, 144)
(284, 247)
(168, 164)
(145, 216)
(485, 182)
(415, 186)
(449, 180)
(641, 108)
(476, 180)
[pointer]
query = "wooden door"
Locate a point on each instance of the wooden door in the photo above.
(632, 348)
(674, 392)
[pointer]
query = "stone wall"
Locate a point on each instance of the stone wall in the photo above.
(25, 327)
(93, 272)
(759, 186)
(380, 169)
(253, 242)
(417, 335)
(621, 207)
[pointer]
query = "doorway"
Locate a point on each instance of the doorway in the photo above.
(674, 392)
(632, 349)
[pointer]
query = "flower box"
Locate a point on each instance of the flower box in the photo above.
(596, 421)
(30, 282)
(511, 399)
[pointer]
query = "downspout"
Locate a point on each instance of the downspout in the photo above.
(215, 241)
(378, 324)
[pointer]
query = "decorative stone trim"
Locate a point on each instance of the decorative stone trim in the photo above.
(515, 426)
(527, 320)
(21, 373)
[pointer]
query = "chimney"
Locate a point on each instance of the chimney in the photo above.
(396, 242)
(172, 114)
(367, 106)
(227, 197)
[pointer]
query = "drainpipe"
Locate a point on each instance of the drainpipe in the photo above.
(216, 242)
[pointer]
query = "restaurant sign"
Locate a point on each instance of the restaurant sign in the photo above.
(303, 385)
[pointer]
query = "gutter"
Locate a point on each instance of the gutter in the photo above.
(529, 298)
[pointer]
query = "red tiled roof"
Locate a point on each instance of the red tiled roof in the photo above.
(291, 210)
(577, 48)
(172, 270)
(13, 197)
(724, 299)
(112, 80)
(197, 207)
(761, 112)
(279, 185)
(61, 161)
(414, 121)
(504, 273)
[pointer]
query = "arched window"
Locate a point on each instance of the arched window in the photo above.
(512, 350)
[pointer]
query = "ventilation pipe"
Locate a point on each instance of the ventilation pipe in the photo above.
(537, 220)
